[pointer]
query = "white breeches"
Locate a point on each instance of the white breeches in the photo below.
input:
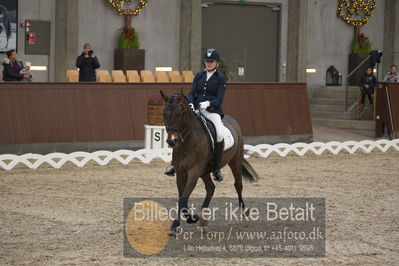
(217, 121)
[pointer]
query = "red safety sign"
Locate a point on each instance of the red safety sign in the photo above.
(31, 38)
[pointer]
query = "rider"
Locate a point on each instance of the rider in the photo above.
(207, 95)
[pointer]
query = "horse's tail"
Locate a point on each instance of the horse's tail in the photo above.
(248, 172)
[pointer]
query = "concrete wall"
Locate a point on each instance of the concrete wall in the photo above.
(297, 40)
(37, 10)
(66, 37)
(330, 38)
(168, 41)
(98, 23)
(396, 34)
(190, 35)
(158, 26)
(391, 36)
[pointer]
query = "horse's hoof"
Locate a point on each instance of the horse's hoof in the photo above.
(192, 219)
(245, 212)
(172, 232)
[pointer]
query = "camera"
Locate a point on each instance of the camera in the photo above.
(90, 52)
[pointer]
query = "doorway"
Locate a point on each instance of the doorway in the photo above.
(247, 37)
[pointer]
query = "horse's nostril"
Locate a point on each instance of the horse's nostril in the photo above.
(171, 142)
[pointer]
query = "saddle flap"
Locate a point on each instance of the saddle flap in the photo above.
(211, 133)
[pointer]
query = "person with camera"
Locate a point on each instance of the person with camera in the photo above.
(87, 63)
(393, 75)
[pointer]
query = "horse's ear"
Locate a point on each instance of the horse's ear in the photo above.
(164, 96)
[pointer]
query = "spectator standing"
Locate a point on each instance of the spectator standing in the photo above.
(87, 63)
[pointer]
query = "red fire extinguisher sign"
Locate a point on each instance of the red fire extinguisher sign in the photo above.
(31, 38)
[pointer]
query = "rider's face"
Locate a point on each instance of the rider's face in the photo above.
(14, 56)
(210, 65)
(86, 49)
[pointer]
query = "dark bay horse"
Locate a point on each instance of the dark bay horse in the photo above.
(192, 155)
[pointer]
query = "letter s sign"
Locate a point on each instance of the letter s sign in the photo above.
(157, 136)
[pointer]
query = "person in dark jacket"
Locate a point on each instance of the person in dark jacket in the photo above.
(87, 63)
(207, 94)
(367, 85)
(13, 67)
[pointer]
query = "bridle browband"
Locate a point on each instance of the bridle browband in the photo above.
(184, 132)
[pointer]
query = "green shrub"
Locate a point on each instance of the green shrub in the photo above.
(361, 45)
(129, 39)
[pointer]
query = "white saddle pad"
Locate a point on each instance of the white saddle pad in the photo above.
(228, 138)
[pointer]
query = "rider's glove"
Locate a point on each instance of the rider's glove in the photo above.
(191, 106)
(204, 105)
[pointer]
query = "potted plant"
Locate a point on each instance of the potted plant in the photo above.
(128, 56)
(155, 110)
(361, 47)
(224, 68)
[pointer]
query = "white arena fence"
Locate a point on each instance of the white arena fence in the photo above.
(80, 159)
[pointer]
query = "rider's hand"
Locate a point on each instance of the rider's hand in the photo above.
(204, 105)
(191, 106)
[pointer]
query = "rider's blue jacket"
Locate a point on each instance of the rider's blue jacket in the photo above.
(211, 90)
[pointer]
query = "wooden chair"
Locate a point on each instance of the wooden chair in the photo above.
(176, 79)
(117, 73)
(147, 76)
(148, 79)
(119, 79)
(103, 76)
(73, 75)
(175, 76)
(146, 73)
(132, 72)
(133, 76)
(161, 77)
(174, 73)
(118, 76)
(188, 76)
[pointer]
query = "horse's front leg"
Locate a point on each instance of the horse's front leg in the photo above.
(181, 180)
(210, 189)
(190, 179)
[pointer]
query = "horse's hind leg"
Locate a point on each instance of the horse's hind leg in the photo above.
(236, 168)
(210, 189)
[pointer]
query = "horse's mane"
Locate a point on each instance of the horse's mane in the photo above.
(177, 95)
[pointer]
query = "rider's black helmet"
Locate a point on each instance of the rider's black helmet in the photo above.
(211, 54)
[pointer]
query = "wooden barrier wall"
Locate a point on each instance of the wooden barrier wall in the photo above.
(80, 112)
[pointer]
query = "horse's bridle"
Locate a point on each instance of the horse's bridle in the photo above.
(184, 132)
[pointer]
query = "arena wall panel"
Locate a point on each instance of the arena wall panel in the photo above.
(80, 112)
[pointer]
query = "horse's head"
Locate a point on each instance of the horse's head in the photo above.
(177, 115)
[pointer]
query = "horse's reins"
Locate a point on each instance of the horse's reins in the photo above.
(183, 132)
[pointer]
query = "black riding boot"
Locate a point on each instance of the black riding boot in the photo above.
(170, 171)
(219, 147)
